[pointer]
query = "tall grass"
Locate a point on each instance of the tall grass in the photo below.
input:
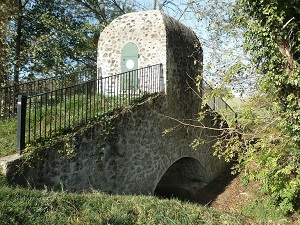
(8, 136)
(23, 206)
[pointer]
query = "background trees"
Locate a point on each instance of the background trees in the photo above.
(48, 38)
(270, 148)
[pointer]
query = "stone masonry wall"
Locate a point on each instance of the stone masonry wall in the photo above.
(130, 158)
(160, 40)
(145, 29)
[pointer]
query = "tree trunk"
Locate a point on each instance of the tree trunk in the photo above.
(3, 46)
(18, 44)
(154, 4)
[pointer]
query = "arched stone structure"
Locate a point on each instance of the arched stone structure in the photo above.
(134, 153)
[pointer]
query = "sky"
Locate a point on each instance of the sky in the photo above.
(178, 9)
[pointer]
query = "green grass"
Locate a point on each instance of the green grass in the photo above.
(24, 206)
(8, 138)
(236, 103)
(27, 206)
(264, 210)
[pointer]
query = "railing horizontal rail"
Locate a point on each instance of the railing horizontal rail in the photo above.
(55, 112)
(218, 104)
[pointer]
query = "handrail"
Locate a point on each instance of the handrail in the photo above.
(55, 112)
(218, 104)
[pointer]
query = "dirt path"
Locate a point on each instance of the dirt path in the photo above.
(225, 193)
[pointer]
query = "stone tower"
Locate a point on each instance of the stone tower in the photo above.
(141, 39)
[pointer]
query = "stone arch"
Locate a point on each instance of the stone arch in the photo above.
(182, 179)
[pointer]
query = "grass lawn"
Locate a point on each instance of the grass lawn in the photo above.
(23, 206)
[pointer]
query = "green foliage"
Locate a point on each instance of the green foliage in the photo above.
(48, 38)
(267, 143)
(264, 210)
(8, 131)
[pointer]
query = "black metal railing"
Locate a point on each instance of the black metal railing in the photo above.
(51, 113)
(218, 104)
(9, 93)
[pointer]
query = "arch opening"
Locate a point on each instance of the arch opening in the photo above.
(183, 180)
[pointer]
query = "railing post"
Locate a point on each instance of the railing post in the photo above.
(21, 109)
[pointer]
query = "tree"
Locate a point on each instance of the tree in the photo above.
(4, 21)
(270, 148)
(57, 37)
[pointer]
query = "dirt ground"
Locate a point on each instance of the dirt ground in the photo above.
(225, 193)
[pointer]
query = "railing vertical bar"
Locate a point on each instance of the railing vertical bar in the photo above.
(111, 94)
(51, 113)
(46, 113)
(151, 79)
(117, 87)
(78, 105)
(133, 85)
(104, 95)
(82, 102)
(93, 94)
(118, 91)
(40, 118)
(56, 106)
(113, 81)
(90, 97)
(70, 106)
(144, 80)
(60, 108)
(29, 120)
(157, 78)
(86, 102)
(65, 108)
(35, 122)
(129, 88)
(98, 94)
(74, 108)
(154, 78)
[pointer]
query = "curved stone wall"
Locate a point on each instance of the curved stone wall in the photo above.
(129, 156)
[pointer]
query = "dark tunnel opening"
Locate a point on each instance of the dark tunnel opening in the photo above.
(183, 180)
